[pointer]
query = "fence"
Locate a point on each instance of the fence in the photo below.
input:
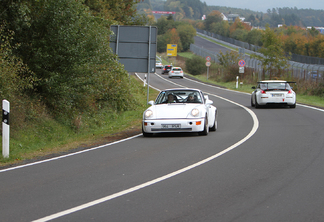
(251, 47)
(306, 71)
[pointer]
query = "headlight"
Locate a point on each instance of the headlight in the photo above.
(194, 112)
(148, 113)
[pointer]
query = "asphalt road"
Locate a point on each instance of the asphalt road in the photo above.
(201, 42)
(260, 165)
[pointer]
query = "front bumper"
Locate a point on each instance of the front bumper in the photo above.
(173, 125)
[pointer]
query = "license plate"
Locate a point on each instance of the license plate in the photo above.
(171, 126)
(277, 95)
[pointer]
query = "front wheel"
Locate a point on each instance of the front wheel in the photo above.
(145, 134)
(206, 128)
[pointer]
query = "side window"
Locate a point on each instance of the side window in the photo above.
(160, 98)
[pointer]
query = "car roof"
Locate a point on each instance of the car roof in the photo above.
(176, 67)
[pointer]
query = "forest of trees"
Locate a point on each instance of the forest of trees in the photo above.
(55, 56)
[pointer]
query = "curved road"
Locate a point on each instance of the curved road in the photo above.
(274, 175)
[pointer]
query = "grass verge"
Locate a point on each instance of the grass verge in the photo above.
(46, 137)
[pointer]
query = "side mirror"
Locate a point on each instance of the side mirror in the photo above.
(253, 87)
(151, 103)
(209, 102)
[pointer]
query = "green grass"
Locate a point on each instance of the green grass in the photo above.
(187, 55)
(46, 136)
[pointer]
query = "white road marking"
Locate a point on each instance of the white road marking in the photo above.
(157, 180)
(67, 155)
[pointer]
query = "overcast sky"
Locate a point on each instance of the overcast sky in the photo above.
(264, 5)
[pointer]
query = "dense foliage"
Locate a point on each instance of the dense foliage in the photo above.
(59, 55)
(273, 58)
(195, 65)
(174, 32)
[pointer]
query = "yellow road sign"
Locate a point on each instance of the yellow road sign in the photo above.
(172, 49)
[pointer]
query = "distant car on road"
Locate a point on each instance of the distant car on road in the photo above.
(180, 110)
(176, 72)
(166, 69)
(158, 64)
(273, 92)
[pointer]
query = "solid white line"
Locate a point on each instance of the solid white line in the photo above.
(157, 180)
(67, 155)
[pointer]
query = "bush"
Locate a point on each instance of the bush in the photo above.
(196, 65)
(67, 50)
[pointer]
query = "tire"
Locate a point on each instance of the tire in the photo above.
(206, 128)
(253, 105)
(257, 104)
(214, 127)
(293, 106)
(145, 134)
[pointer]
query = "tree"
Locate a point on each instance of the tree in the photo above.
(254, 37)
(213, 17)
(221, 28)
(67, 50)
(172, 37)
(163, 25)
(186, 33)
(121, 12)
(273, 58)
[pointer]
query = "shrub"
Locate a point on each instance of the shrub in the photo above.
(196, 65)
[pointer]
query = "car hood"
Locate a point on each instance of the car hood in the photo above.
(174, 110)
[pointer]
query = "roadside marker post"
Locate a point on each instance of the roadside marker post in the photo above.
(5, 128)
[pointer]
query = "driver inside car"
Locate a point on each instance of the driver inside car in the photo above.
(171, 99)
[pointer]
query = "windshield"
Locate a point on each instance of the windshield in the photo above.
(179, 96)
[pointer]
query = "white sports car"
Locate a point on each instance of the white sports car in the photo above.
(273, 92)
(176, 72)
(180, 110)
